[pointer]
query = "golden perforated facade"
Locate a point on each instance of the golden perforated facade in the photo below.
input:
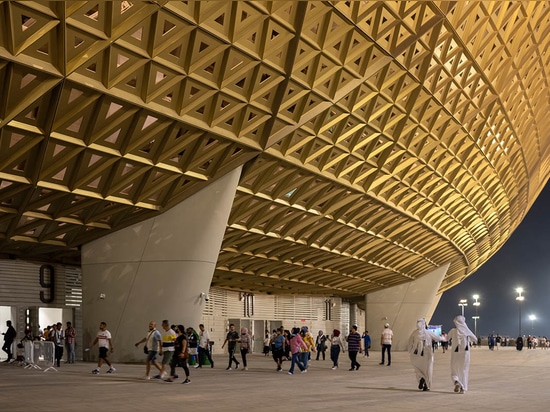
(379, 140)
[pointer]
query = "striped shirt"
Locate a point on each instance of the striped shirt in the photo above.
(354, 342)
(168, 340)
(387, 335)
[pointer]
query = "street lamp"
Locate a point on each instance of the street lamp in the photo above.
(532, 318)
(476, 317)
(462, 303)
(520, 299)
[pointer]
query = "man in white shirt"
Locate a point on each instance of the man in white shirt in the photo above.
(204, 346)
(105, 343)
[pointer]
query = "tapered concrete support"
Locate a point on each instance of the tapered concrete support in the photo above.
(156, 269)
(401, 306)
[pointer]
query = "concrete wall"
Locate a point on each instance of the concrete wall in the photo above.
(155, 269)
(401, 306)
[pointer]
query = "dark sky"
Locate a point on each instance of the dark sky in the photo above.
(523, 261)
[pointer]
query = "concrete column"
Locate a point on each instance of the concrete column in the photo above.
(401, 306)
(353, 314)
(156, 269)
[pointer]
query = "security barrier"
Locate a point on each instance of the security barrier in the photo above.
(40, 354)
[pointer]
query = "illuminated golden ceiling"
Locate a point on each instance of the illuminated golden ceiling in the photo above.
(379, 140)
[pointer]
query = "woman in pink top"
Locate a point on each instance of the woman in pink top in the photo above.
(296, 342)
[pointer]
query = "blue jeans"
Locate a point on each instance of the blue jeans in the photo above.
(70, 352)
(334, 353)
(304, 358)
(296, 361)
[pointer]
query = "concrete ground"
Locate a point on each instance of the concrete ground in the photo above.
(499, 380)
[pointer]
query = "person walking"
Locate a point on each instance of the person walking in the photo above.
(105, 344)
(461, 338)
(193, 345)
(287, 335)
(204, 347)
(444, 341)
(181, 354)
(278, 348)
(297, 343)
(386, 341)
(267, 340)
(168, 337)
(9, 337)
(421, 353)
(366, 343)
(321, 344)
(152, 346)
(336, 346)
(231, 339)
(245, 346)
(310, 343)
(70, 340)
(354, 347)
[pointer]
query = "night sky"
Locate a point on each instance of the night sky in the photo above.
(523, 261)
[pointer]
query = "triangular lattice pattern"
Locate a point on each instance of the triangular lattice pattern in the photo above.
(381, 139)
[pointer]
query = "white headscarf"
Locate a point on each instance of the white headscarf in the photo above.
(419, 338)
(463, 332)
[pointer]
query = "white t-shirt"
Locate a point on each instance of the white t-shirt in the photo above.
(103, 337)
(204, 337)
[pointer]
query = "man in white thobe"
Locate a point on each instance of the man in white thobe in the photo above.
(421, 352)
(461, 338)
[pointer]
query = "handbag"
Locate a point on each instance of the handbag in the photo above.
(145, 348)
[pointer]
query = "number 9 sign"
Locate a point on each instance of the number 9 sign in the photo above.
(47, 270)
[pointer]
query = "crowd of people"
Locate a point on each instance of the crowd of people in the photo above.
(178, 346)
(534, 342)
(297, 345)
(61, 338)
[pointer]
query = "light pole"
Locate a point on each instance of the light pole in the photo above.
(532, 318)
(462, 303)
(476, 317)
(520, 299)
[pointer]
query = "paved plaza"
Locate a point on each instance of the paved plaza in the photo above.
(499, 380)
